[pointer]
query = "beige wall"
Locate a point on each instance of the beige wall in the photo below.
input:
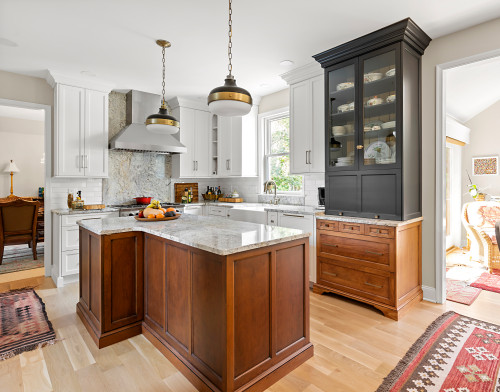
(23, 142)
(275, 101)
(25, 88)
(475, 40)
(484, 141)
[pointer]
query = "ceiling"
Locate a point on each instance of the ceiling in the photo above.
(114, 39)
(22, 113)
(472, 88)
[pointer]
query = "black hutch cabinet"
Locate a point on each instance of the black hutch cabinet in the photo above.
(373, 124)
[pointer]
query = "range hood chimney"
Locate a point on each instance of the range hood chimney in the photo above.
(135, 136)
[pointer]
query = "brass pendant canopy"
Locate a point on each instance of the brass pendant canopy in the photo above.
(162, 122)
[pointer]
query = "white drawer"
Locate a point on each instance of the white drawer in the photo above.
(217, 211)
(193, 210)
(70, 220)
(272, 218)
(70, 238)
(70, 262)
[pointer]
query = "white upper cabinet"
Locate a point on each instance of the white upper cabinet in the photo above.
(237, 145)
(80, 127)
(307, 119)
(194, 133)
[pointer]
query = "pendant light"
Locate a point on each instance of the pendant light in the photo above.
(230, 100)
(162, 122)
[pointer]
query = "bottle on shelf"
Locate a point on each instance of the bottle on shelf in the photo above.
(190, 195)
(185, 196)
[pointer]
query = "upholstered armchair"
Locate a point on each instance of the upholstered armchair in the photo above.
(479, 220)
(18, 224)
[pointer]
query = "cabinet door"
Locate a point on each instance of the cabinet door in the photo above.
(70, 262)
(202, 142)
(300, 127)
(187, 162)
(225, 145)
(69, 131)
(95, 156)
(317, 153)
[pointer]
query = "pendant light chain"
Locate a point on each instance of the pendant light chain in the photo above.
(163, 75)
(230, 44)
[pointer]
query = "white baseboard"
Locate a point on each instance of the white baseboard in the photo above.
(429, 294)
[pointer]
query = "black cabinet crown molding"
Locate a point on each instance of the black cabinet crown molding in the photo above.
(405, 30)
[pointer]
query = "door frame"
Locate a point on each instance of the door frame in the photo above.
(439, 223)
(48, 174)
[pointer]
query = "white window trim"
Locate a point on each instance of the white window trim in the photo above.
(264, 119)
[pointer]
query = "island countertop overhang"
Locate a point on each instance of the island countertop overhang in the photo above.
(212, 234)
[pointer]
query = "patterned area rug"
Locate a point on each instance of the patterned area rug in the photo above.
(24, 325)
(488, 282)
(459, 291)
(455, 354)
(20, 258)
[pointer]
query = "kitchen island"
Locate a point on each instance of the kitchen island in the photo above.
(226, 302)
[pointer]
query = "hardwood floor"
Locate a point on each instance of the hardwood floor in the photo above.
(355, 347)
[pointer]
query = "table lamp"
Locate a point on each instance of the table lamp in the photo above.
(12, 168)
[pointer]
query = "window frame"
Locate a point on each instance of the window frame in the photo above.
(266, 119)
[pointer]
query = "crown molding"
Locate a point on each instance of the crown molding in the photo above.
(305, 72)
(55, 77)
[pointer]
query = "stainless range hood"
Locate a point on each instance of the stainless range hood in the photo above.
(135, 136)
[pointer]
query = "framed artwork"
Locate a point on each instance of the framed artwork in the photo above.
(485, 166)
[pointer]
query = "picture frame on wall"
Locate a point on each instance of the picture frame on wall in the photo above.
(485, 166)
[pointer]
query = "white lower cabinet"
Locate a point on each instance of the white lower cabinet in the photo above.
(272, 218)
(305, 223)
(66, 245)
(217, 211)
(247, 215)
(193, 210)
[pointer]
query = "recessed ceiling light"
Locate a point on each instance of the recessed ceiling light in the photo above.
(7, 42)
(88, 73)
(286, 63)
(265, 85)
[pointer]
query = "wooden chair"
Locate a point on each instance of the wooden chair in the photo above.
(18, 220)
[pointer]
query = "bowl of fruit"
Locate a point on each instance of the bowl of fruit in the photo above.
(154, 212)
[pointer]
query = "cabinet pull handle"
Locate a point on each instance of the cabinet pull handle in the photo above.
(86, 161)
(330, 273)
(306, 157)
(296, 216)
(374, 253)
(373, 285)
(334, 246)
(359, 146)
(272, 221)
(194, 165)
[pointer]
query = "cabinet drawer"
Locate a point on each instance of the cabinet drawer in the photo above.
(361, 249)
(353, 228)
(379, 231)
(328, 225)
(70, 262)
(217, 211)
(70, 220)
(70, 238)
(362, 283)
(272, 218)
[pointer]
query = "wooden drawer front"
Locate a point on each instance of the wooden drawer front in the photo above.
(379, 231)
(353, 228)
(70, 262)
(70, 238)
(328, 225)
(357, 282)
(376, 252)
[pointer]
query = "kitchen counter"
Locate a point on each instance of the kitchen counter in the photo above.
(212, 234)
(365, 221)
(67, 211)
(306, 210)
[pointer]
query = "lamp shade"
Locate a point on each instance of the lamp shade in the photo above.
(11, 167)
(229, 100)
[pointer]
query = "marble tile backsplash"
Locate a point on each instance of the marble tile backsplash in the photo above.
(91, 190)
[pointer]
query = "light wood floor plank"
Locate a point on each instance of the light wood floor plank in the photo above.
(11, 378)
(34, 372)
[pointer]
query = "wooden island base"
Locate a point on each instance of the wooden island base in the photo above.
(229, 323)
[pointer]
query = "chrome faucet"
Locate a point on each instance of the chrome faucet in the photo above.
(268, 188)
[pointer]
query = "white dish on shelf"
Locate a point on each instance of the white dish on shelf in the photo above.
(346, 107)
(374, 101)
(345, 85)
(372, 76)
(338, 130)
(378, 150)
(391, 72)
(349, 127)
(391, 98)
(389, 124)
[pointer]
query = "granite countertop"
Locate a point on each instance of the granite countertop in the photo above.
(213, 234)
(67, 211)
(306, 210)
(365, 221)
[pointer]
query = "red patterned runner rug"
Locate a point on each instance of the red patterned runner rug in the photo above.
(24, 325)
(455, 354)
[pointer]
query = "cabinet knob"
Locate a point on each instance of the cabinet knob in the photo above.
(359, 146)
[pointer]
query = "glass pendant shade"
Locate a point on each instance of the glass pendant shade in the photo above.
(162, 122)
(229, 100)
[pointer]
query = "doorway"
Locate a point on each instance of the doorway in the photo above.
(25, 132)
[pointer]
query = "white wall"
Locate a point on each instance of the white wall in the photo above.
(277, 100)
(484, 141)
(22, 141)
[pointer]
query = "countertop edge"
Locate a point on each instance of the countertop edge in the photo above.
(65, 211)
(366, 221)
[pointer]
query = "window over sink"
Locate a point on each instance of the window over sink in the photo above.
(277, 153)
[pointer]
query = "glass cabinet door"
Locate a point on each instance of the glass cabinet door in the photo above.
(379, 133)
(341, 139)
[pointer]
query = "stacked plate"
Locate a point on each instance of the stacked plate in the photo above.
(345, 161)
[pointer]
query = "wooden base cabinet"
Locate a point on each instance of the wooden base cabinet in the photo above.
(228, 323)
(378, 265)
